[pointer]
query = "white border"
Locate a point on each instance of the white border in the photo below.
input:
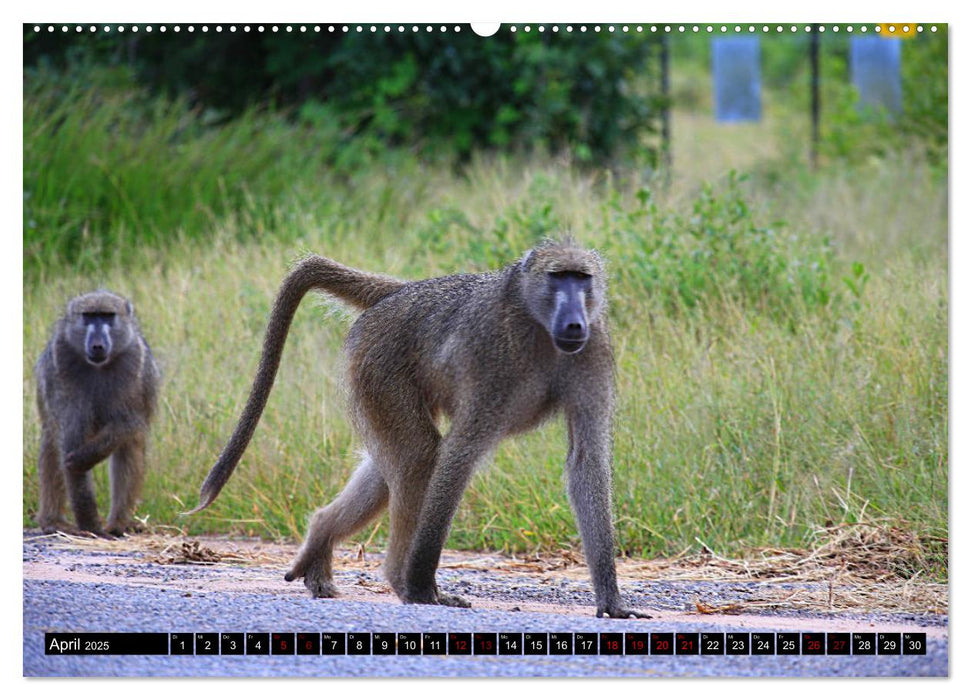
(510, 11)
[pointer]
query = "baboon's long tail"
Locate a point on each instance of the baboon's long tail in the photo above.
(360, 289)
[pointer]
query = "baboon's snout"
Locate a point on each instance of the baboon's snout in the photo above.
(570, 333)
(97, 348)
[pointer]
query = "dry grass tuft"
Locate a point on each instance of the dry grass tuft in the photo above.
(865, 566)
(858, 552)
(168, 548)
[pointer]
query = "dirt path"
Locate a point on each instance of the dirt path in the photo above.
(553, 585)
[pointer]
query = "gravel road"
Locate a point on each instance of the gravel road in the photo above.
(70, 587)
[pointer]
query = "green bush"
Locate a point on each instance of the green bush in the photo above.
(449, 233)
(438, 94)
(456, 92)
(717, 252)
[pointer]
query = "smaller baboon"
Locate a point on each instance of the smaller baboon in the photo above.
(96, 390)
(497, 353)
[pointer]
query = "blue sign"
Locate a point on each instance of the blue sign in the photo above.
(737, 77)
(875, 72)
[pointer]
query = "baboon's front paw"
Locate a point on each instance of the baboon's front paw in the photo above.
(320, 589)
(620, 612)
(92, 529)
(116, 529)
(120, 528)
(433, 596)
(419, 598)
(453, 601)
(320, 586)
(91, 533)
(50, 527)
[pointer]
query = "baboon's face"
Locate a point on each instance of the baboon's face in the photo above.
(99, 326)
(569, 326)
(564, 290)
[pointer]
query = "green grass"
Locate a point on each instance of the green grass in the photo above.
(751, 411)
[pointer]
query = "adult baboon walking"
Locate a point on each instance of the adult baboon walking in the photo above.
(96, 389)
(495, 352)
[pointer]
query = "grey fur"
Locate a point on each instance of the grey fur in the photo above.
(91, 410)
(480, 349)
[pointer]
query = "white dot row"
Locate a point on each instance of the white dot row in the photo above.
(681, 28)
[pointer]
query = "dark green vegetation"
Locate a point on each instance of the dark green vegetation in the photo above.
(781, 336)
(437, 93)
(172, 113)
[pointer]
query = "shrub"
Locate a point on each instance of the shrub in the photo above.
(717, 252)
(436, 93)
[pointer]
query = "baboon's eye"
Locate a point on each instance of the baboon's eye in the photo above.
(564, 274)
(98, 317)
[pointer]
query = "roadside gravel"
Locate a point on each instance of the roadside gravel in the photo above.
(75, 589)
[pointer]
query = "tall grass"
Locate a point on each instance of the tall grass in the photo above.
(781, 341)
(108, 168)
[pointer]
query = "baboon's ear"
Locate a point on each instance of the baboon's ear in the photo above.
(129, 309)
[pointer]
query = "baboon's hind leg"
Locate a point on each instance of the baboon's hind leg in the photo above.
(363, 499)
(127, 471)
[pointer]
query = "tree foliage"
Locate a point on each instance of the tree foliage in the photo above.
(436, 93)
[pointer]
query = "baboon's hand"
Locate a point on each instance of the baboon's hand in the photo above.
(118, 529)
(72, 461)
(453, 601)
(80, 460)
(435, 597)
(49, 528)
(426, 597)
(618, 612)
(92, 532)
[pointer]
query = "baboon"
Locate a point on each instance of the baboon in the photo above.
(497, 353)
(96, 390)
